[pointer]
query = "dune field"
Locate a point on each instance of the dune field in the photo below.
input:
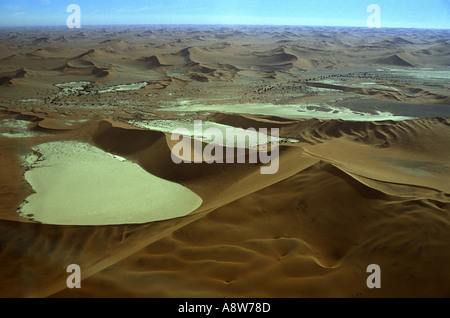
(88, 174)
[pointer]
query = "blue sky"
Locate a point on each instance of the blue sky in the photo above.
(394, 13)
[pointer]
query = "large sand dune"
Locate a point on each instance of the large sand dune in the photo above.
(363, 164)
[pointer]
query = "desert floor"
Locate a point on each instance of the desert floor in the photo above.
(87, 175)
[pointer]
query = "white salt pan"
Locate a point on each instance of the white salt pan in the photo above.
(169, 126)
(15, 128)
(78, 184)
(289, 111)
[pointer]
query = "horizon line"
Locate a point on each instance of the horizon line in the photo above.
(219, 24)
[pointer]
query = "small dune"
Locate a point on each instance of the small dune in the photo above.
(394, 60)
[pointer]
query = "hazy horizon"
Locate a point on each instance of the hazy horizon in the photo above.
(63, 27)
